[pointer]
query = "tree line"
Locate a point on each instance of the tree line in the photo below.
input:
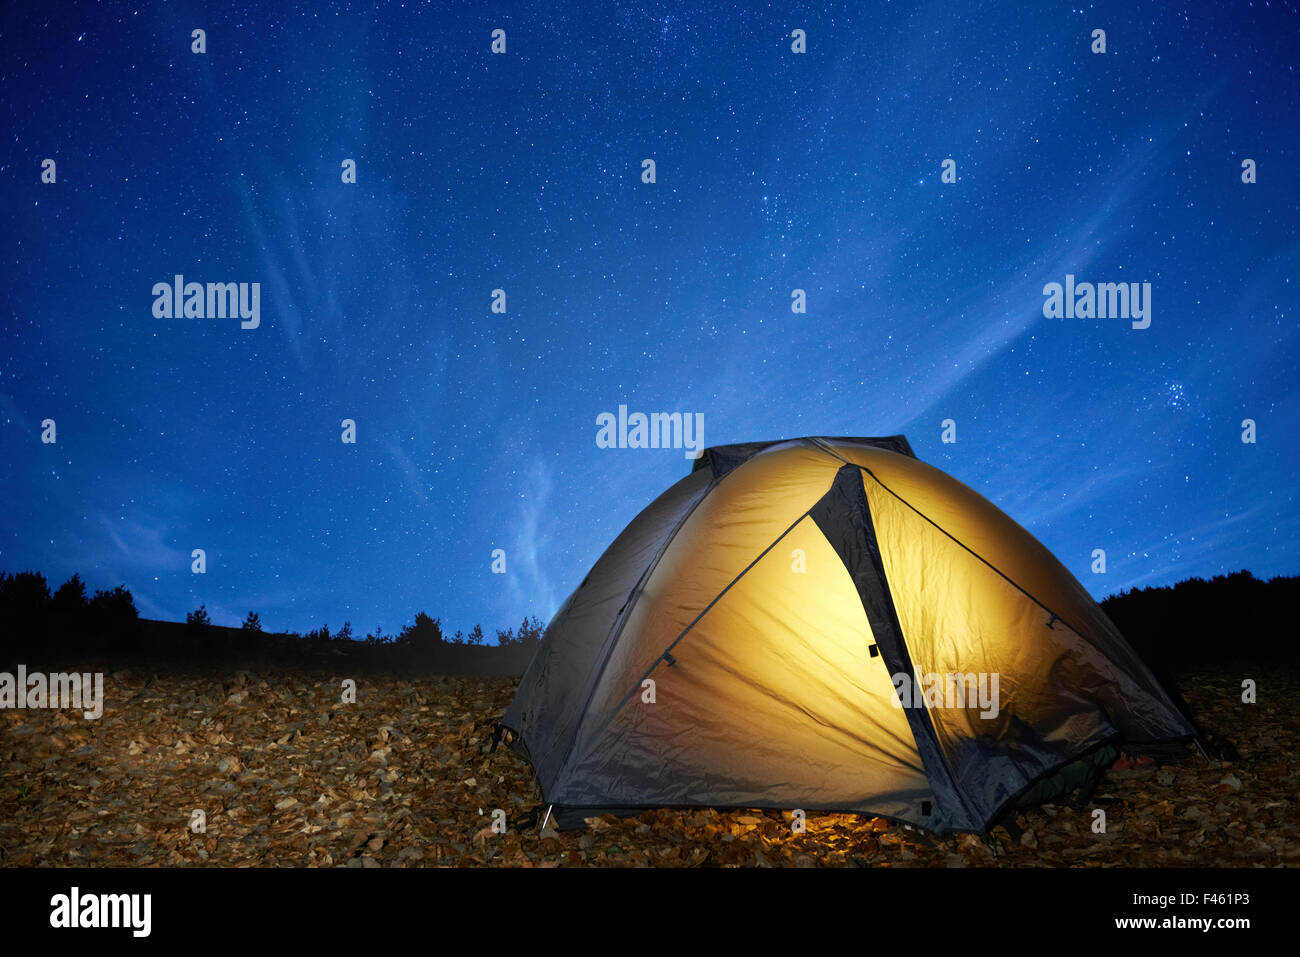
(1198, 621)
(32, 618)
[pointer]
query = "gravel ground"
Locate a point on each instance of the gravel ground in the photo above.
(284, 773)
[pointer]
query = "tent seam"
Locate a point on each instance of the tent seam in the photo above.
(892, 622)
(611, 640)
(698, 618)
(1007, 578)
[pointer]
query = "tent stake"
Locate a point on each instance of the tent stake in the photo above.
(548, 816)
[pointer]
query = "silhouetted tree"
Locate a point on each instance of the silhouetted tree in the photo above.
(70, 611)
(24, 602)
(1199, 621)
(24, 605)
(71, 596)
(530, 630)
(113, 619)
(198, 619)
(425, 633)
(528, 633)
(252, 622)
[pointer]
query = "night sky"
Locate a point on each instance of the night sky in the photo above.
(522, 171)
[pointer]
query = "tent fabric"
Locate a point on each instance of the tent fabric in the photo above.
(740, 645)
(721, 459)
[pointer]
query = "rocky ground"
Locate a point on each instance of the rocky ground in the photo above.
(284, 774)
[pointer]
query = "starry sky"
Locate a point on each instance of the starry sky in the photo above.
(522, 171)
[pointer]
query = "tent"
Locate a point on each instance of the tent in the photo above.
(825, 624)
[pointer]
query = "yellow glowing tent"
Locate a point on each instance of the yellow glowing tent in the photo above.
(825, 624)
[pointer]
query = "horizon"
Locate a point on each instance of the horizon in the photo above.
(490, 635)
(803, 263)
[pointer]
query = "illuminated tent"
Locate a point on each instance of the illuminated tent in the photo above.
(750, 638)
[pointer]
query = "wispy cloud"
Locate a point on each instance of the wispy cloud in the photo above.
(1063, 493)
(1002, 316)
(142, 543)
(12, 415)
(1199, 547)
(411, 473)
(530, 581)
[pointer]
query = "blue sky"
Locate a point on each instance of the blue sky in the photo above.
(775, 171)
